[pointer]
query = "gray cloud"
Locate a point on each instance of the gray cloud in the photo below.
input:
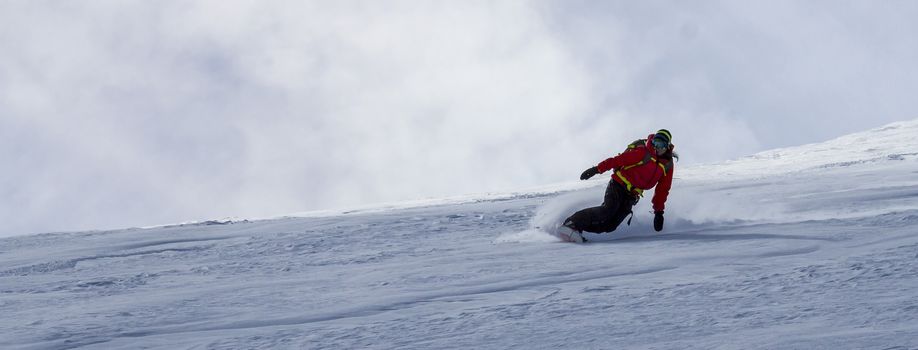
(136, 113)
(775, 73)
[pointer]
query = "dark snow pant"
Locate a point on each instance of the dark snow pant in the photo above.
(606, 217)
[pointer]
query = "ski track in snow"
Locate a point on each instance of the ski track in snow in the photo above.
(821, 256)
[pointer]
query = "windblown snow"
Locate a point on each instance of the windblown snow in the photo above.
(811, 247)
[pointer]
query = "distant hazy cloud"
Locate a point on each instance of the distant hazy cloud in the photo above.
(122, 113)
(775, 73)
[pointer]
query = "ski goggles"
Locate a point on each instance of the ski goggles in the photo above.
(660, 144)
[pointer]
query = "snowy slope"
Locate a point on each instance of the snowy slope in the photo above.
(812, 247)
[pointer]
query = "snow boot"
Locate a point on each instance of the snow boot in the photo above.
(569, 232)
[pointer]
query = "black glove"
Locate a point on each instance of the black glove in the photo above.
(658, 220)
(589, 173)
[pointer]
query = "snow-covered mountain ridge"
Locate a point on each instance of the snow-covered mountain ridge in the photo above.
(895, 141)
(809, 247)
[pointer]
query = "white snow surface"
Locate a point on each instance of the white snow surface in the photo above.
(811, 247)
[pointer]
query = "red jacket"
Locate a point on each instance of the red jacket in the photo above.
(639, 168)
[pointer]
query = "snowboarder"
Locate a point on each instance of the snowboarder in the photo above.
(645, 164)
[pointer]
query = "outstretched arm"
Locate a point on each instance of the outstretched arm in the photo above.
(620, 161)
(662, 191)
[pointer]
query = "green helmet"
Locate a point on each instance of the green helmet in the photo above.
(664, 135)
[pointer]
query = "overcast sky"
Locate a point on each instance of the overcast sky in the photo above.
(130, 113)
